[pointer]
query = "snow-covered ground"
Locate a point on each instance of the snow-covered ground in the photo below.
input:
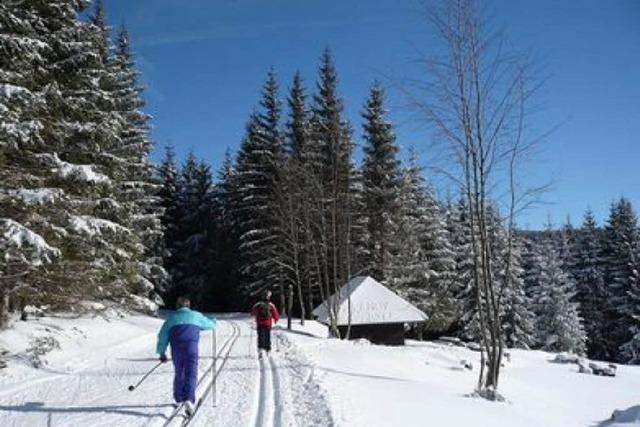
(89, 363)
(309, 380)
(426, 384)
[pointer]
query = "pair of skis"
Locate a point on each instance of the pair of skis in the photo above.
(178, 411)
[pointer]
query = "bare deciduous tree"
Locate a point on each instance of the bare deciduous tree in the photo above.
(475, 96)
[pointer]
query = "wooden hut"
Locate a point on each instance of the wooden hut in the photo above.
(374, 312)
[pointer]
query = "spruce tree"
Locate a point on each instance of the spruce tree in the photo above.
(139, 189)
(559, 325)
(169, 195)
(590, 285)
(269, 118)
(61, 90)
(332, 136)
(259, 173)
(253, 199)
(631, 348)
(424, 267)
(108, 113)
(518, 317)
(306, 182)
(466, 292)
(23, 78)
(298, 123)
(224, 293)
(381, 170)
(98, 254)
(622, 274)
(196, 230)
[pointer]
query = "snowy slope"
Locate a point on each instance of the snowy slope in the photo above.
(425, 384)
(309, 380)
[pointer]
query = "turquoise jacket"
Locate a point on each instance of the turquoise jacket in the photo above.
(183, 324)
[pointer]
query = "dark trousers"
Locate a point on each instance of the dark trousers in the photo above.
(264, 338)
(185, 364)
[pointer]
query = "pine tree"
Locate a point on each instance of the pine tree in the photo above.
(139, 189)
(108, 125)
(300, 178)
(409, 262)
(590, 285)
(622, 244)
(424, 267)
(631, 348)
(23, 75)
(567, 241)
(306, 176)
(224, 262)
(559, 325)
(292, 191)
(298, 125)
(518, 317)
(58, 138)
(381, 170)
(253, 199)
(98, 256)
(196, 230)
(357, 225)
(331, 134)
(169, 194)
(465, 290)
(269, 119)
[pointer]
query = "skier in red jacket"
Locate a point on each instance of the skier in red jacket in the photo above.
(266, 315)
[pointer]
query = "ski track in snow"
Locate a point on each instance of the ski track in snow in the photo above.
(89, 388)
(295, 387)
(270, 408)
(266, 406)
(277, 398)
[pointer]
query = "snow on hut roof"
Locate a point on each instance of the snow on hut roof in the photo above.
(371, 303)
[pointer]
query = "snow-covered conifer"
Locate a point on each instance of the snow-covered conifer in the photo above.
(459, 228)
(518, 317)
(381, 179)
(589, 277)
(559, 325)
(196, 229)
(622, 274)
(138, 188)
(423, 269)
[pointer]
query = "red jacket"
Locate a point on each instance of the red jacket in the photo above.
(275, 316)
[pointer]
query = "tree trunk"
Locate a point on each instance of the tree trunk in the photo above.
(303, 312)
(283, 306)
(4, 309)
(289, 304)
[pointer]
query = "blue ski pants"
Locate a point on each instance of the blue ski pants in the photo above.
(185, 364)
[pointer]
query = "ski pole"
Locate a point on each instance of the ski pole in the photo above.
(214, 346)
(133, 387)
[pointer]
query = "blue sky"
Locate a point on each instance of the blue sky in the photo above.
(204, 62)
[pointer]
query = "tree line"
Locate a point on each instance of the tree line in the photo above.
(293, 213)
(85, 215)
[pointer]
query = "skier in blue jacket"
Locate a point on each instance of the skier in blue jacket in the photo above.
(182, 330)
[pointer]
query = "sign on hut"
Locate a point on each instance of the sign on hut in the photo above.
(374, 312)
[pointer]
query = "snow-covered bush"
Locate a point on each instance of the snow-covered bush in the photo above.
(566, 358)
(144, 305)
(40, 346)
(603, 370)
